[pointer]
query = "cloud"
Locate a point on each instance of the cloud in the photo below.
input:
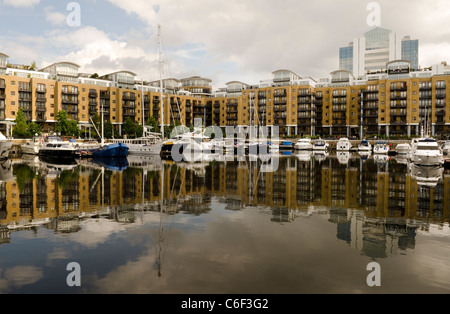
(19, 276)
(260, 36)
(21, 3)
(55, 18)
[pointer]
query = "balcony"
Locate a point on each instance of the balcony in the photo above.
(131, 97)
(279, 108)
(40, 118)
(67, 92)
(426, 87)
(440, 96)
(69, 101)
(398, 97)
(41, 109)
(104, 95)
(440, 113)
(41, 90)
(400, 122)
(399, 88)
(93, 94)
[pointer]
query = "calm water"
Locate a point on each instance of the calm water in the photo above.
(150, 226)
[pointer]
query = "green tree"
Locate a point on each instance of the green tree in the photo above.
(20, 129)
(33, 66)
(153, 124)
(95, 75)
(108, 130)
(129, 127)
(34, 128)
(66, 126)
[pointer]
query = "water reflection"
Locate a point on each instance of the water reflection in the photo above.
(376, 206)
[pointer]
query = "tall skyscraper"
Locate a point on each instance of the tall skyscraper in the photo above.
(410, 51)
(371, 52)
(346, 58)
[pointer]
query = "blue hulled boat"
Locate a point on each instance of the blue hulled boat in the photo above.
(115, 150)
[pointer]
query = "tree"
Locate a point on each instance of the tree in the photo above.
(34, 129)
(129, 127)
(153, 124)
(95, 75)
(66, 126)
(108, 130)
(20, 129)
(33, 66)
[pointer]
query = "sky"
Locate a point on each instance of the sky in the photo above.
(233, 40)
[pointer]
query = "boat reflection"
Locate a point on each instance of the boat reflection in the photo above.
(303, 155)
(364, 155)
(343, 157)
(427, 176)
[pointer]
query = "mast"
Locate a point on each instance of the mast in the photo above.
(103, 122)
(143, 106)
(161, 82)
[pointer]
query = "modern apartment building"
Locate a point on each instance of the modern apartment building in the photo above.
(371, 52)
(398, 102)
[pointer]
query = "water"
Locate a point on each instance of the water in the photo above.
(312, 226)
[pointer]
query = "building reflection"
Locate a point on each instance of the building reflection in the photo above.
(376, 204)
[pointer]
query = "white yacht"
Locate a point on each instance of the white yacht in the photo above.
(403, 149)
(381, 147)
(5, 146)
(426, 152)
(343, 144)
(321, 145)
(55, 147)
(32, 146)
(304, 144)
(365, 146)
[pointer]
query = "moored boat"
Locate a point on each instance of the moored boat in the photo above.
(365, 146)
(426, 152)
(5, 146)
(303, 144)
(56, 147)
(381, 147)
(403, 149)
(114, 150)
(321, 145)
(32, 146)
(343, 144)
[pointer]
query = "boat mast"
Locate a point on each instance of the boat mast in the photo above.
(103, 122)
(161, 82)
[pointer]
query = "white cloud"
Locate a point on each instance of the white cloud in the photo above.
(260, 36)
(55, 18)
(21, 3)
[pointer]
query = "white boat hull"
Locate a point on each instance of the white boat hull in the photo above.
(142, 149)
(427, 160)
(5, 147)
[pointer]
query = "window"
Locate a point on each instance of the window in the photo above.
(13, 113)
